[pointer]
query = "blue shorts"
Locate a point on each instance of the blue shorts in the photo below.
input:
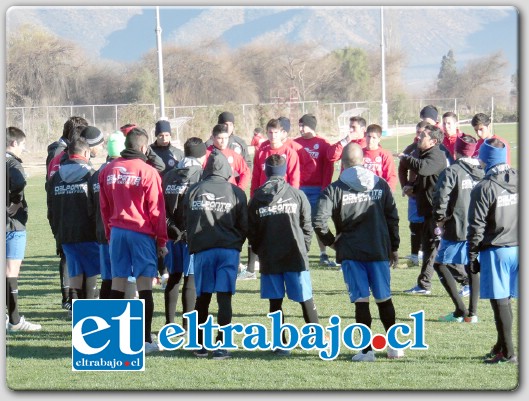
(413, 214)
(132, 254)
(178, 259)
(82, 258)
(313, 195)
(499, 273)
(360, 277)
(216, 270)
(455, 252)
(15, 245)
(298, 286)
(104, 261)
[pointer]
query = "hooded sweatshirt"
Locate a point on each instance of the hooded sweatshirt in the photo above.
(215, 210)
(15, 184)
(452, 197)
(175, 184)
(279, 227)
(364, 213)
(169, 154)
(67, 198)
(493, 213)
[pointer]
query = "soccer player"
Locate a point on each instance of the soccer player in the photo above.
(257, 138)
(133, 212)
(378, 160)
(407, 179)
(152, 158)
(357, 134)
(430, 114)
(482, 125)
(451, 131)
(313, 183)
(365, 215)
(216, 225)
(430, 163)
(163, 148)
(450, 211)
(115, 144)
(175, 184)
(16, 218)
(493, 242)
(72, 224)
(280, 231)
(221, 139)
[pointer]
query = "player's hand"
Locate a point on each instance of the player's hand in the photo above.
(13, 208)
(407, 190)
(475, 267)
(162, 251)
(394, 259)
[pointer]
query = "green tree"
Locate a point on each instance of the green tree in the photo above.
(447, 77)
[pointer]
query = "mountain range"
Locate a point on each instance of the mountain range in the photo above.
(425, 34)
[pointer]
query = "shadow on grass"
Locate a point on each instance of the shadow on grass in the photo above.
(24, 351)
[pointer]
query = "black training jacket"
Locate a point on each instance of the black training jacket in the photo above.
(493, 214)
(403, 169)
(67, 200)
(169, 155)
(364, 213)
(427, 166)
(175, 184)
(279, 227)
(94, 209)
(452, 197)
(15, 184)
(216, 211)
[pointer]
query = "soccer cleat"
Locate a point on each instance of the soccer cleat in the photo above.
(152, 347)
(451, 318)
(395, 353)
(500, 359)
(23, 325)
(414, 259)
(67, 305)
(282, 352)
(492, 354)
(465, 291)
(326, 262)
(201, 353)
(220, 354)
(369, 356)
(417, 290)
(246, 275)
(471, 319)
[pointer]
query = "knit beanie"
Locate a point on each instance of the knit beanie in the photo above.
(115, 144)
(308, 120)
(92, 135)
(127, 128)
(194, 150)
(491, 155)
(279, 170)
(225, 117)
(466, 149)
(162, 126)
(284, 123)
(429, 112)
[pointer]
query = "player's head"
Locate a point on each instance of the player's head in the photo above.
(373, 135)
(275, 165)
(137, 139)
(465, 146)
(352, 155)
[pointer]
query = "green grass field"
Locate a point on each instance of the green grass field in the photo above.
(42, 360)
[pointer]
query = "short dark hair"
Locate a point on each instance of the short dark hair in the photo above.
(70, 125)
(275, 160)
(273, 123)
(136, 138)
(219, 129)
(468, 138)
(450, 114)
(435, 133)
(258, 130)
(14, 134)
(359, 120)
(78, 146)
(421, 124)
(374, 128)
(496, 143)
(480, 119)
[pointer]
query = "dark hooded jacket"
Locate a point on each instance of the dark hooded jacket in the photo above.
(364, 213)
(15, 184)
(175, 184)
(493, 213)
(279, 227)
(67, 200)
(94, 209)
(216, 211)
(169, 155)
(452, 197)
